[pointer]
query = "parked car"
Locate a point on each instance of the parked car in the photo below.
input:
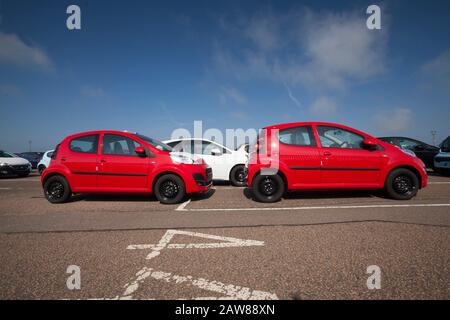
(320, 155)
(45, 161)
(122, 162)
(424, 151)
(13, 165)
(33, 157)
(442, 159)
(226, 164)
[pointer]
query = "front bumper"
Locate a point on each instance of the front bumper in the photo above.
(200, 180)
(12, 170)
(441, 162)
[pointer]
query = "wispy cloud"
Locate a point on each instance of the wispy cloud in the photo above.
(394, 120)
(325, 50)
(323, 106)
(14, 51)
(229, 95)
(92, 92)
(438, 69)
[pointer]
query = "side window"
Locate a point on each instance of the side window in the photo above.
(333, 137)
(85, 144)
(297, 136)
(119, 145)
(176, 145)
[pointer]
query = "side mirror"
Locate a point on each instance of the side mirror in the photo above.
(369, 144)
(140, 151)
(216, 152)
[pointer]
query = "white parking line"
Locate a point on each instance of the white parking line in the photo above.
(5, 188)
(183, 205)
(324, 207)
(439, 182)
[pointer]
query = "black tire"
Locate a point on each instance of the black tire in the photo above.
(268, 188)
(238, 176)
(401, 184)
(169, 189)
(57, 189)
(41, 169)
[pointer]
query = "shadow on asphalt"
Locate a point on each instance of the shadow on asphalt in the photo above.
(322, 194)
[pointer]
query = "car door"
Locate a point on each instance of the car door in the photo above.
(120, 167)
(299, 152)
(82, 161)
(345, 163)
(217, 161)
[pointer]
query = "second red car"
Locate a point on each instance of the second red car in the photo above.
(318, 155)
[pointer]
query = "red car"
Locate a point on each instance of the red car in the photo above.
(122, 162)
(318, 155)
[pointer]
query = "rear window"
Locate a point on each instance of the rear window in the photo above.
(85, 144)
(298, 136)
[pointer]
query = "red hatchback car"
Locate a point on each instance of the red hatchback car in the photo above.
(122, 162)
(318, 155)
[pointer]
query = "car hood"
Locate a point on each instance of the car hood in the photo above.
(14, 161)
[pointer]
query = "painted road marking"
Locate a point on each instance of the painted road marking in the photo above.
(5, 188)
(228, 242)
(323, 207)
(183, 205)
(229, 290)
(439, 182)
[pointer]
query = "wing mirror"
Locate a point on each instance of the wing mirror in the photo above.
(140, 151)
(369, 144)
(216, 152)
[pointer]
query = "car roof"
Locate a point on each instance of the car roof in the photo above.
(316, 123)
(126, 133)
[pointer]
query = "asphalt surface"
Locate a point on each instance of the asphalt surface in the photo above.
(314, 245)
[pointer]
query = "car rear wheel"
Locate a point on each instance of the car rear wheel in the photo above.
(169, 189)
(402, 184)
(57, 189)
(41, 168)
(237, 176)
(268, 188)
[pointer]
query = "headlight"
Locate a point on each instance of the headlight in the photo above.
(179, 158)
(3, 164)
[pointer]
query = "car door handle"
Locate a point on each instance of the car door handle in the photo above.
(327, 154)
(102, 160)
(63, 159)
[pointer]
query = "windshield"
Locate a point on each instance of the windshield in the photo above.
(445, 146)
(4, 154)
(156, 143)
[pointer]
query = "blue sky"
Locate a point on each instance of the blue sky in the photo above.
(154, 66)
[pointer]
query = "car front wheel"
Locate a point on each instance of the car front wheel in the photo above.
(268, 188)
(402, 184)
(57, 189)
(169, 189)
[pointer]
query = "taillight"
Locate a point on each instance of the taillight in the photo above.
(53, 157)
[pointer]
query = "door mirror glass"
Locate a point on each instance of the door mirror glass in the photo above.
(216, 152)
(369, 144)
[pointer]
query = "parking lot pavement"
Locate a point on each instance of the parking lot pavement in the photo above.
(307, 246)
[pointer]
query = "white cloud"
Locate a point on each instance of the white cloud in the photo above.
(231, 95)
(323, 106)
(13, 51)
(394, 120)
(92, 92)
(326, 50)
(439, 69)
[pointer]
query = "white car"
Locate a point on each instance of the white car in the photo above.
(226, 164)
(13, 165)
(45, 161)
(442, 159)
